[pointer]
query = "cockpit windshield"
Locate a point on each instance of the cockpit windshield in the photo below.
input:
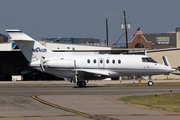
(148, 59)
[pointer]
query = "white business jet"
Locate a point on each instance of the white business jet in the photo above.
(82, 68)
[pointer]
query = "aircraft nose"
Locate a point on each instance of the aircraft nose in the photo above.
(166, 69)
(170, 69)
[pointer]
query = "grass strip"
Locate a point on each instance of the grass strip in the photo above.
(162, 102)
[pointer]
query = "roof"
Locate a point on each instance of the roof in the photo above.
(159, 50)
(153, 37)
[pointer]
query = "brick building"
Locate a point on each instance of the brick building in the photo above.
(154, 41)
(139, 41)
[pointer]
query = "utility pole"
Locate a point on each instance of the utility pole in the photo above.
(126, 31)
(107, 31)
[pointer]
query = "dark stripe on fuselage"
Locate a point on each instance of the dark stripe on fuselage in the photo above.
(72, 68)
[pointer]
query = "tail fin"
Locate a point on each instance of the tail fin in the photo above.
(165, 61)
(31, 49)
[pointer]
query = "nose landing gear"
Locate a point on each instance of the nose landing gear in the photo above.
(150, 82)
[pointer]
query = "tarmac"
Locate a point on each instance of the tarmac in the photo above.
(44, 100)
(94, 82)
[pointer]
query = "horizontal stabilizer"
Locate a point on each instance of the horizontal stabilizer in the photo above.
(16, 34)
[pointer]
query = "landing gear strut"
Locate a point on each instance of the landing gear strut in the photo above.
(150, 82)
(81, 83)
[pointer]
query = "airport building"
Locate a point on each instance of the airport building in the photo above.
(154, 41)
(84, 41)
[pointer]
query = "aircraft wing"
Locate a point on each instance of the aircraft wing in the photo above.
(100, 72)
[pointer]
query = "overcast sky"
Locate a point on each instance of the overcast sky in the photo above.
(86, 18)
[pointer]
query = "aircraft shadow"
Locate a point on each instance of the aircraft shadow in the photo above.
(88, 87)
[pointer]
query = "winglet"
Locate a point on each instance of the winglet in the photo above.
(16, 34)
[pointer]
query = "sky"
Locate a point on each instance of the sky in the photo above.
(87, 18)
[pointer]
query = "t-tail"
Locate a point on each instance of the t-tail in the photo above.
(165, 61)
(34, 52)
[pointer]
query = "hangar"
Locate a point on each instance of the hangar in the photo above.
(13, 62)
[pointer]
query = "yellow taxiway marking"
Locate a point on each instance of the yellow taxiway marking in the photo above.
(95, 117)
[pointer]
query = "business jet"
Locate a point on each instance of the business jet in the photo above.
(80, 69)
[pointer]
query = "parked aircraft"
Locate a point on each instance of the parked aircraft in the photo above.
(82, 68)
(166, 62)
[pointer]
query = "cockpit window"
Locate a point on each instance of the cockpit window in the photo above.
(148, 59)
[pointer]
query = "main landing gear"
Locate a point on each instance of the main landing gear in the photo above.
(81, 83)
(79, 80)
(150, 82)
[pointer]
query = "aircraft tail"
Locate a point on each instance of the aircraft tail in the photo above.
(165, 61)
(31, 49)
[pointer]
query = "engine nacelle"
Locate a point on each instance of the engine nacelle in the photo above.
(60, 63)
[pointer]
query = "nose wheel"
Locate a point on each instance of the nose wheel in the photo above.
(150, 83)
(81, 84)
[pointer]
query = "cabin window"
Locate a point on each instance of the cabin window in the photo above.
(107, 61)
(88, 61)
(119, 61)
(101, 61)
(113, 61)
(148, 59)
(94, 60)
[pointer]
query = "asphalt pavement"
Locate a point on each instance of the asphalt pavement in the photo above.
(94, 82)
(44, 100)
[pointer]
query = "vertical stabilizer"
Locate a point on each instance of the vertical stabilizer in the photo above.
(165, 61)
(31, 49)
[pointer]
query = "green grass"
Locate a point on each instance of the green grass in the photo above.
(164, 102)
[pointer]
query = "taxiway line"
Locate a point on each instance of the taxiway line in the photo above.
(95, 117)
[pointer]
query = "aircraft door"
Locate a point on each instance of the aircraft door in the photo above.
(74, 64)
(101, 62)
